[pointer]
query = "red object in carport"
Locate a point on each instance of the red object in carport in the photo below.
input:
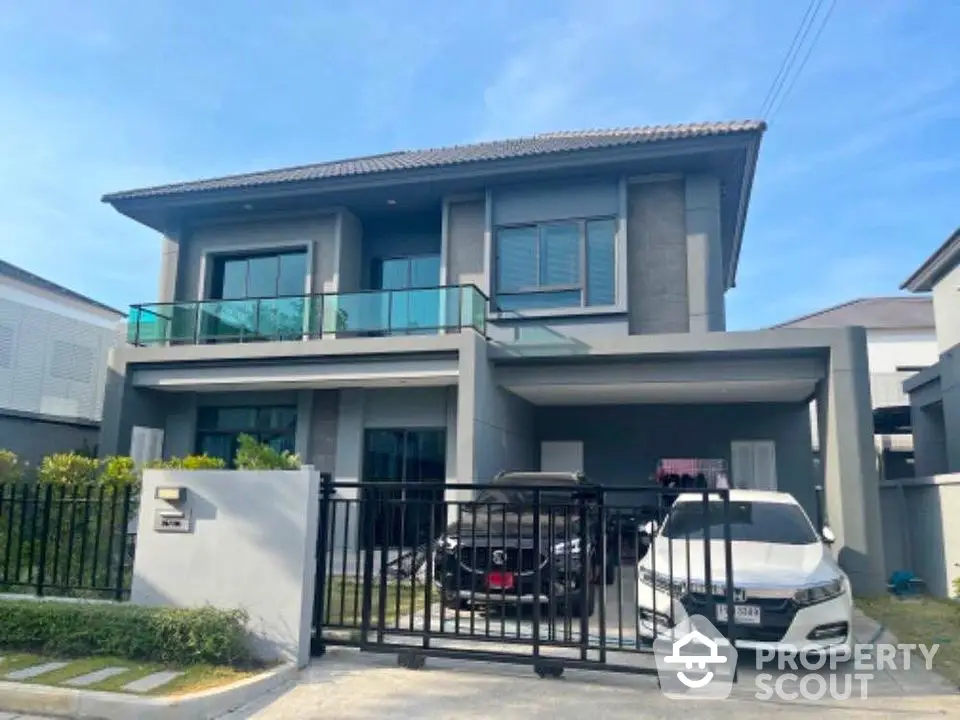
(497, 580)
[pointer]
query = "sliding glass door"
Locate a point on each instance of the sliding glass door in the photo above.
(401, 516)
(415, 306)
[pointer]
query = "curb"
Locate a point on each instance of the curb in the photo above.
(63, 702)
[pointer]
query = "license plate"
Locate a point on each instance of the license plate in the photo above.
(500, 580)
(742, 614)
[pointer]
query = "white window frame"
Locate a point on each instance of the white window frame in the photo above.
(738, 448)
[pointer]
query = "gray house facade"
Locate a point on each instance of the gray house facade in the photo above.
(553, 302)
(935, 391)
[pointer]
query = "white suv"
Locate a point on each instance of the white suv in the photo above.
(789, 593)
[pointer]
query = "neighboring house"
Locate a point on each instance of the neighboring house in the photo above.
(901, 341)
(935, 392)
(553, 302)
(54, 345)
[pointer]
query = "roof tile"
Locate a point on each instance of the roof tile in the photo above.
(542, 144)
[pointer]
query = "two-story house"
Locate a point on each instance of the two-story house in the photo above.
(54, 345)
(546, 302)
(901, 340)
(935, 392)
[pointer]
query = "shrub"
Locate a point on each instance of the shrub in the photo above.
(10, 468)
(119, 471)
(189, 462)
(252, 455)
(68, 469)
(178, 636)
(956, 588)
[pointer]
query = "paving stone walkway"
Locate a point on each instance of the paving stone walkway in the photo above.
(140, 685)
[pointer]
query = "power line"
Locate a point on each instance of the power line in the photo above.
(803, 63)
(799, 37)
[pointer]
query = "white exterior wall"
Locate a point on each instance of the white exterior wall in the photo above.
(886, 351)
(252, 547)
(53, 353)
(920, 531)
(946, 309)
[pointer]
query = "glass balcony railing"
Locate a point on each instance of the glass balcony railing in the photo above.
(374, 313)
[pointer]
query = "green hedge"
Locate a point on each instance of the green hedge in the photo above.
(166, 635)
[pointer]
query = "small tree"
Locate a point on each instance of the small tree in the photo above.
(68, 469)
(10, 468)
(189, 462)
(252, 455)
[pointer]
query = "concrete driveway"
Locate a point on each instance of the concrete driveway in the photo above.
(350, 685)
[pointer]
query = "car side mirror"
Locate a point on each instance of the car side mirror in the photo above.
(827, 536)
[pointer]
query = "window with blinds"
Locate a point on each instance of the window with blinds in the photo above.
(556, 265)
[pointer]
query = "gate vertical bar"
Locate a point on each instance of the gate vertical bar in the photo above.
(124, 526)
(44, 536)
(537, 574)
(369, 527)
(585, 578)
(317, 646)
(728, 563)
(602, 540)
(708, 560)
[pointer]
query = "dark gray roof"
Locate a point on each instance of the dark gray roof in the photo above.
(12, 271)
(936, 266)
(879, 313)
(543, 144)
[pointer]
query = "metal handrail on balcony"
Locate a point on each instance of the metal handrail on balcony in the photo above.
(365, 313)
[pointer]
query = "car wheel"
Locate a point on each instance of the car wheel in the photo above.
(576, 603)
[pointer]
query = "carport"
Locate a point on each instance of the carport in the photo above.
(742, 397)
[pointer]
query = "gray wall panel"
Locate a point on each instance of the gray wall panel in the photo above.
(622, 444)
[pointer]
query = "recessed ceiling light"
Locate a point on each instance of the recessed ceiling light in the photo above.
(391, 202)
(247, 206)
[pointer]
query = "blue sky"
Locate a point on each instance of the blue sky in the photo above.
(859, 175)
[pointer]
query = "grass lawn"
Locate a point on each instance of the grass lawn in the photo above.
(195, 677)
(346, 607)
(922, 620)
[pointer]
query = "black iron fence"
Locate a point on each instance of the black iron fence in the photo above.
(549, 576)
(67, 541)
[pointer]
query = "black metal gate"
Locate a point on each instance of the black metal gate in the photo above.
(488, 585)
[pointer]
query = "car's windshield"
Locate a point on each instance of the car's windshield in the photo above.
(768, 522)
(523, 492)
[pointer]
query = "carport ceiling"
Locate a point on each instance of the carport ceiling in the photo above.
(669, 393)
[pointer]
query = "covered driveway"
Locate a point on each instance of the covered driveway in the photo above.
(738, 396)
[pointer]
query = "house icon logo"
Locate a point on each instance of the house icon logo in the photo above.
(695, 661)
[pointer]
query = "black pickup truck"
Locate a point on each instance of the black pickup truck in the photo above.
(491, 552)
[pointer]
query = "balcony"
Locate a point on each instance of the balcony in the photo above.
(373, 313)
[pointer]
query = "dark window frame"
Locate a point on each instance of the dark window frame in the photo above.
(581, 286)
(260, 433)
(219, 260)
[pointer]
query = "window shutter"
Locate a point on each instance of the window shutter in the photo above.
(741, 465)
(765, 465)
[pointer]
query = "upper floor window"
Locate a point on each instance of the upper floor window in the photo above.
(556, 265)
(259, 276)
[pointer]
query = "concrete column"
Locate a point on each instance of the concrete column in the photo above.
(472, 391)
(169, 261)
(349, 468)
(950, 390)
(705, 284)
(849, 464)
(929, 440)
(304, 416)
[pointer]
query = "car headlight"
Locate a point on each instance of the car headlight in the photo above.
(660, 582)
(447, 543)
(820, 593)
(571, 547)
